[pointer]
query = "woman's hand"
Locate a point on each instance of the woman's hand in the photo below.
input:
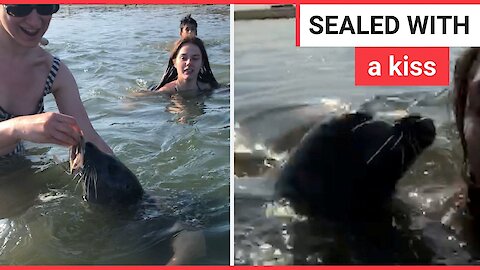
(48, 127)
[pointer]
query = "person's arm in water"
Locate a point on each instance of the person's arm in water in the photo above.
(67, 97)
(205, 86)
(62, 128)
(188, 246)
(168, 88)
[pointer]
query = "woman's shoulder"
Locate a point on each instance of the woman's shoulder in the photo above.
(60, 75)
(40, 57)
(168, 88)
(205, 86)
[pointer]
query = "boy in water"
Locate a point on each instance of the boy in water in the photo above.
(188, 27)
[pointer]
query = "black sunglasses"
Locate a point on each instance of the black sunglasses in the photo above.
(24, 10)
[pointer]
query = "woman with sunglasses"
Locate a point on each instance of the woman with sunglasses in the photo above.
(27, 74)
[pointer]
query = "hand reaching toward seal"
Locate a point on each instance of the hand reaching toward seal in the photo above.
(47, 127)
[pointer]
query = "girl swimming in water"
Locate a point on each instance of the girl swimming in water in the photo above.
(191, 72)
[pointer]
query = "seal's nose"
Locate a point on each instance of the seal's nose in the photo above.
(422, 129)
(425, 130)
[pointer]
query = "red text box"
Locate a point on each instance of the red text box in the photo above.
(388, 66)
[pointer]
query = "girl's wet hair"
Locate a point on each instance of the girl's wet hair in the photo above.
(465, 69)
(205, 75)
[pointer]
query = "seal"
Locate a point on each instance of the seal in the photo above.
(105, 179)
(346, 168)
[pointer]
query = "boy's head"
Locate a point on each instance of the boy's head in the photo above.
(188, 27)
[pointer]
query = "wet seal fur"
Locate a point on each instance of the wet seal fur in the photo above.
(105, 179)
(347, 168)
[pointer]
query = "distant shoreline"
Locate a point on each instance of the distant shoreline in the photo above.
(274, 12)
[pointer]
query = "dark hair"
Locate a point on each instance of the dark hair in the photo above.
(188, 20)
(465, 69)
(205, 75)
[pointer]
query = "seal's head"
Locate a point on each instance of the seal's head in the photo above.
(388, 150)
(347, 167)
(105, 179)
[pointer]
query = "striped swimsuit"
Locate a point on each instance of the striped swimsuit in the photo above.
(4, 115)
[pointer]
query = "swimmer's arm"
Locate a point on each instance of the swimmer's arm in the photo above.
(206, 86)
(8, 139)
(67, 97)
(46, 127)
(168, 88)
(188, 246)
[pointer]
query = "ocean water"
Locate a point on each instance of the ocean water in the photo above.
(178, 148)
(280, 90)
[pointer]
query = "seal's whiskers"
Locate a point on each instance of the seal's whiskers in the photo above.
(403, 156)
(86, 184)
(78, 182)
(90, 176)
(399, 139)
(59, 162)
(104, 178)
(95, 184)
(361, 125)
(380, 149)
(79, 175)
